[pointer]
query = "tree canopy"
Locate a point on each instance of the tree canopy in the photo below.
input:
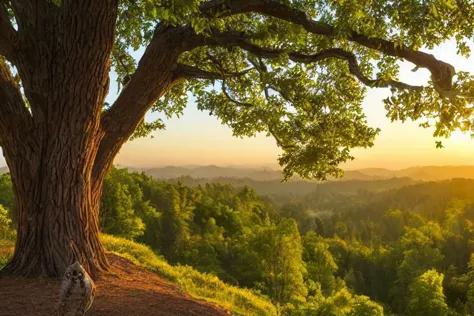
(297, 70)
(426, 295)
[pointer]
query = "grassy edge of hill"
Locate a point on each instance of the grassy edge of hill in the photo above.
(199, 285)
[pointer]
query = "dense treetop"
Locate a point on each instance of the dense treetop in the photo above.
(297, 69)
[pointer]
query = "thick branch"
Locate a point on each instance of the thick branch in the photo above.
(442, 73)
(353, 68)
(8, 36)
(155, 74)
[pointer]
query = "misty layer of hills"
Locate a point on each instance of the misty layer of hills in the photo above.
(212, 172)
(424, 173)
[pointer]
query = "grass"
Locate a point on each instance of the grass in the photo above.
(197, 284)
(200, 285)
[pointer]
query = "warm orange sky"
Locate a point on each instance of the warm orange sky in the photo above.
(197, 138)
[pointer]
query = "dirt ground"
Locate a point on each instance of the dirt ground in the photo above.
(131, 291)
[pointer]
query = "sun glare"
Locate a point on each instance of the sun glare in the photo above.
(458, 136)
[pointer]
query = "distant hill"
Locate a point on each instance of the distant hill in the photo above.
(421, 173)
(378, 172)
(212, 172)
(298, 188)
(424, 173)
(360, 175)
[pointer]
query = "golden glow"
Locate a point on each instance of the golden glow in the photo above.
(459, 137)
(197, 138)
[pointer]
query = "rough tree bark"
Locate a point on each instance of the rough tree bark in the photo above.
(63, 59)
(59, 151)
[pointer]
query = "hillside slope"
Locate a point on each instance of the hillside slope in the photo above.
(130, 291)
(141, 284)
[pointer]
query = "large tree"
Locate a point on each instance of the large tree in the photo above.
(295, 69)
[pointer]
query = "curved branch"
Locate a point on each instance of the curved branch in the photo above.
(442, 73)
(154, 75)
(8, 35)
(186, 71)
(231, 99)
(242, 40)
(260, 67)
(224, 85)
(280, 143)
(354, 68)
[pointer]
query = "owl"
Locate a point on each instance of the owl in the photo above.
(77, 291)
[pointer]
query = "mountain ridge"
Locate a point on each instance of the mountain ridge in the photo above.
(419, 173)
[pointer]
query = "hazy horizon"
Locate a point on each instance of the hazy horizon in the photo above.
(275, 168)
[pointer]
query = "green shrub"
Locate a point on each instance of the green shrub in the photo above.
(6, 232)
(6, 251)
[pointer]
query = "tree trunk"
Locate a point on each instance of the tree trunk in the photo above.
(63, 59)
(60, 147)
(57, 199)
(58, 221)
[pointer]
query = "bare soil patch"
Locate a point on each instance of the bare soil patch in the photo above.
(130, 291)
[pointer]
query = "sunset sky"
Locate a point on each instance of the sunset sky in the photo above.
(197, 138)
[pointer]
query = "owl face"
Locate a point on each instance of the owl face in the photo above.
(75, 272)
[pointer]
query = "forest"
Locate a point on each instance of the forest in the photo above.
(397, 251)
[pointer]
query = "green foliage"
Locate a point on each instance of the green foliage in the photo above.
(312, 109)
(419, 254)
(319, 261)
(279, 247)
(6, 251)
(363, 306)
(122, 221)
(6, 231)
(6, 195)
(123, 209)
(328, 107)
(426, 295)
(340, 303)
